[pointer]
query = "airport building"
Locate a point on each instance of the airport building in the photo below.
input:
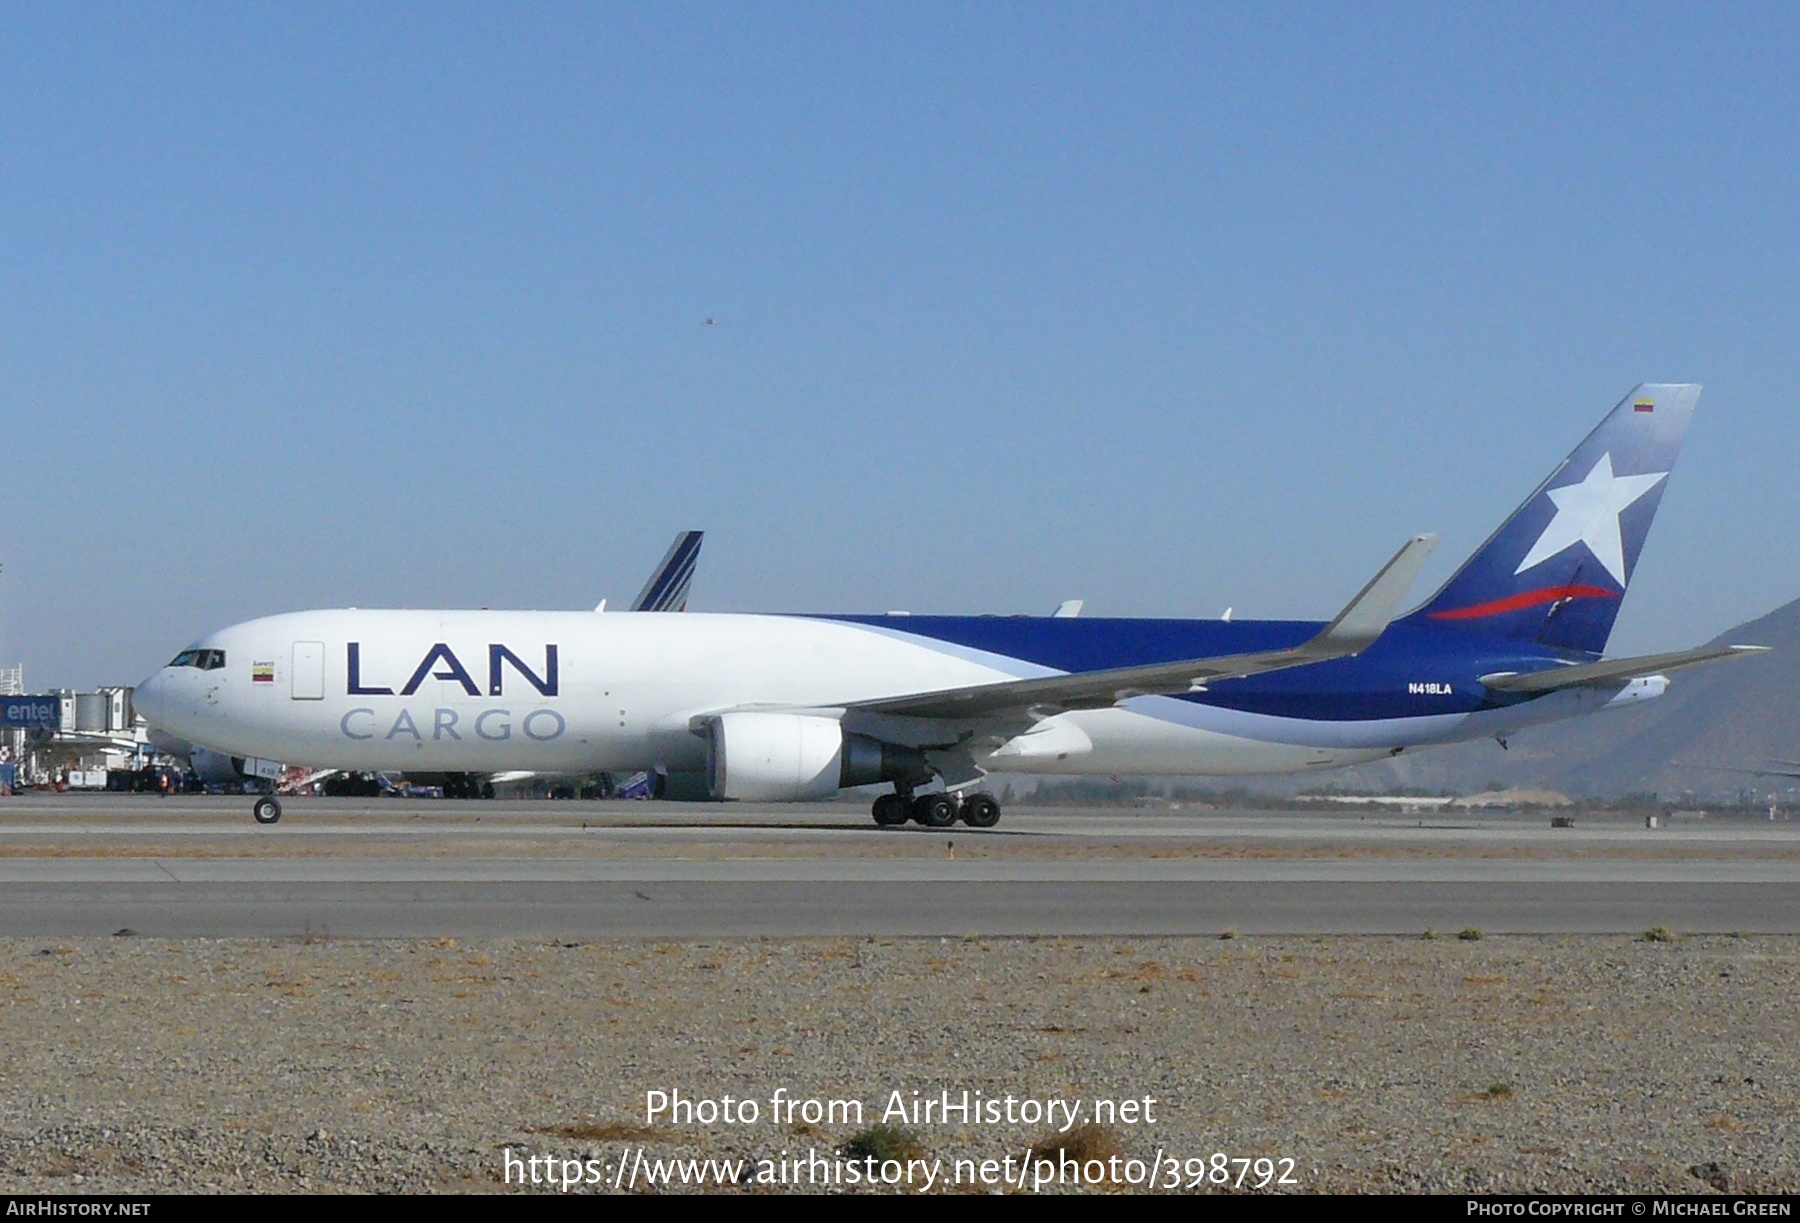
(68, 739)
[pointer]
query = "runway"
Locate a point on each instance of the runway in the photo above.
(183, 868)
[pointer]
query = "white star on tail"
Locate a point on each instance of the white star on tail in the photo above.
(1588, 513)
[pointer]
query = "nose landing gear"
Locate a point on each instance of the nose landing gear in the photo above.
(266, 810)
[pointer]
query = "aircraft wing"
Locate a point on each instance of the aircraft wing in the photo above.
(1612, 670)
(1363, 620)
(667, 589)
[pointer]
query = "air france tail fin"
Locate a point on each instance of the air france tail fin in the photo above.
(667, 589)
(1556, 570)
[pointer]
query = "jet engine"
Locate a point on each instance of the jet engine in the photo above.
(783, 757)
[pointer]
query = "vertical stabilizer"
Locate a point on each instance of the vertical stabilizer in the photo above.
(1556, 570)
(667, 589)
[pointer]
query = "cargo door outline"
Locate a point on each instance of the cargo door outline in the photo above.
(309, 671)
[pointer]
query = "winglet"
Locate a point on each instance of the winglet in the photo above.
(1367, 616)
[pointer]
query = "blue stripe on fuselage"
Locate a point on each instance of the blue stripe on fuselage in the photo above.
(1414, 670)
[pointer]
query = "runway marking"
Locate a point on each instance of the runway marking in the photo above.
(78, 870)
(384, 870)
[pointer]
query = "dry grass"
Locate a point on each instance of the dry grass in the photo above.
(882, 1143)
(1084, 1142)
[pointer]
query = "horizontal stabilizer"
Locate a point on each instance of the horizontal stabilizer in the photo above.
(1612, 670)
(1791, 769)
(1356, 628)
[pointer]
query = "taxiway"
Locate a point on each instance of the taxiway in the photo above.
(185, 867)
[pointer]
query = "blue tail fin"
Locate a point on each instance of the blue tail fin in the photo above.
(667, 589)
(1556, 570)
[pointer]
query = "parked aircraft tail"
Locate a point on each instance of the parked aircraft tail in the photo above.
(1555, 571)
(667, 589)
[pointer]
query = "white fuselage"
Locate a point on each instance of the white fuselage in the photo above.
(489, 691)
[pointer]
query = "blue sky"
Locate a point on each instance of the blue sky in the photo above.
(1167, 308)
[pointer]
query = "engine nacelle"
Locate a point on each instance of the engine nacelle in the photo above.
(784, 757)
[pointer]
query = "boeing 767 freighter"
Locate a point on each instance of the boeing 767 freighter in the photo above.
(790, 707)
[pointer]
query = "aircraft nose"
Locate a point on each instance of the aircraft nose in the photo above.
(149, 698)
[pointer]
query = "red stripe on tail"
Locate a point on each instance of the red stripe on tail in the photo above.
(1530, 598)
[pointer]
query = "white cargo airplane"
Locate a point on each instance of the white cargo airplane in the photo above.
(788, 707)
(666, 590)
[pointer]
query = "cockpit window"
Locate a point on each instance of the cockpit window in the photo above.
(205, 660)
(185, 658)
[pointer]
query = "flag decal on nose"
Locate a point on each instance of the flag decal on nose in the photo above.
(1644, 405)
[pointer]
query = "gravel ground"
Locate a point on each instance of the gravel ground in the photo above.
(1500, 1064)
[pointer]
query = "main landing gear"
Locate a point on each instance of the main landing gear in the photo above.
(937, 810)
